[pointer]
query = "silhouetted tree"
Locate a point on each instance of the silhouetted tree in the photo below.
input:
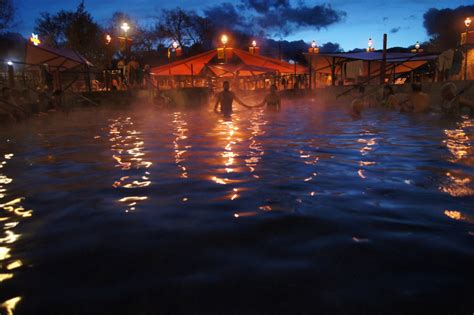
(444, 26)
(75, 30)
(7, 14)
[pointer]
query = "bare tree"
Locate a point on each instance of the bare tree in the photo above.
(7, 14)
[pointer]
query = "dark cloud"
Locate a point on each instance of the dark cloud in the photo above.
(395, 30)
(263, 6)
(272, 16)
(226, 16)
(445, 25)
(286, 20)
(330, 47)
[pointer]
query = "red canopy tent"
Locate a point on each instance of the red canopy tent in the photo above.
(241, 70)
(61, 58)
(400, 62)
(247, 64)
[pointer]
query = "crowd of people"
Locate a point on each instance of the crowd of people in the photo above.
(124, 75)
(16, 105)
(453, 103)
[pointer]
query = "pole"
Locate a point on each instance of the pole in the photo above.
(384, 60)
(465, 56)
(11, 77)
(368, 73)
(295, 81)
(225, 54)
(311, 72)
(333, 71)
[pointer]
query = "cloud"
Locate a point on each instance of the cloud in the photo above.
(263, 6)
(395, 30)
(225, 15)
(273, 16)
(330, 47)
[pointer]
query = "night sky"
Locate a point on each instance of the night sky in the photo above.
(402, 20)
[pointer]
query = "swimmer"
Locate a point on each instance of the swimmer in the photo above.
(453, 103)
(225, 99)
(389, 100)
(273, 100)
(417, 102)
(357, 105)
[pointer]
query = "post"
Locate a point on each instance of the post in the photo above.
(384, 60)
(311, 72)
(126, 49)
(58, 79)
(333, 71)
(368, 73)
(465, 59)
(11, 76)
(225, 54)
(192, 75)
(88, 80)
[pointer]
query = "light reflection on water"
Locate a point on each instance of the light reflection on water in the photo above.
(273, 193)
(12, 214)
(128, 150)
(459, 143)
(179, 131)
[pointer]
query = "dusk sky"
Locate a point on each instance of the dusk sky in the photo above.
(402, 20)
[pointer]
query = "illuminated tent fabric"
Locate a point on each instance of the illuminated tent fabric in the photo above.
(396, 62)
(61, 58)
(241, 70)
(189, 66)
(267, 62)
(253, 63)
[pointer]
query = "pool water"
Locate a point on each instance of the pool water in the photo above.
(158, 211)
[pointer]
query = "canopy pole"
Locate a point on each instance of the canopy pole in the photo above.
(11, 77)
(369, 73)
(333, 71)
(384, 60)
(88, 80)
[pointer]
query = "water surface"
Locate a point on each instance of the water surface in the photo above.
(151, 211)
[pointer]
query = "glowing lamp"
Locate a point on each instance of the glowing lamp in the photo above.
(108, 39)
(417, 45)
(370, 45)
(9, 63)
(467, 22)
(314, 48)
(224, 39)
(175, 44)
(34, 39)
(253, 49)
(125, 27)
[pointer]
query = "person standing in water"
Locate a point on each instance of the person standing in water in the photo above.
(272, 99)
(453, 103)
(225, 99)
(358, 104)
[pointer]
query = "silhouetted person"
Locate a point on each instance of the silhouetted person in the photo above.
(225, 99)
(272, 100)
(388, 98)
(453, 103)
(357, 105)
(418, 102)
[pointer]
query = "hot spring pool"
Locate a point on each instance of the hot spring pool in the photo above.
(148, 211)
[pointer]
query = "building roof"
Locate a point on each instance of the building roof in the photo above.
(251, 64)
(61, 58)
(398, 62)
